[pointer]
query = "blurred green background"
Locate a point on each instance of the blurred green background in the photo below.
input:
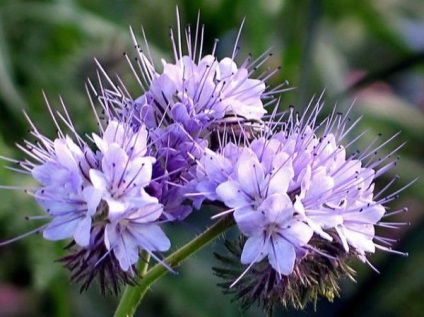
(370, 52)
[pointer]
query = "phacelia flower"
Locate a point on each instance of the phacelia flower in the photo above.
(64, 193)
(196, 90)
(96, 195)
(297, 198)
(121, 181)
(61, 167)
(198, 132)
(186, 106)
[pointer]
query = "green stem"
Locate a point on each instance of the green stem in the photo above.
(130, 294)
(143, 265)
(133, 294)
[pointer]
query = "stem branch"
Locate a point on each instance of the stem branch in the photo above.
(133, 294)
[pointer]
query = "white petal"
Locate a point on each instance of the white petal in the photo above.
(281, 256)
(138, 143)
(82, 232)
(298, 233)
(150, 237)
(226, 68)
(360, 237)
(321, 186)
(110, 235)
(342, 234)
(98, 180)
(64, 155)
(250, 173)
(304, 177)
(231, 195)
(57, 201)
(117, 209)
(254, 250)
(280, 180)
(139, 171)
(60, 228)
(216, 166)
(114, 132)
(147, 213)
(250, 222)
(325, 218)
(370, 214)
(92, 196)
(114, 163)
(100, 143)
(126, 251)
(277, 208)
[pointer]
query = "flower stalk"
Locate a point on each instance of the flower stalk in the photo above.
(133, 295)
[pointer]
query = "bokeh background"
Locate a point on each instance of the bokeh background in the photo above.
(367, 52)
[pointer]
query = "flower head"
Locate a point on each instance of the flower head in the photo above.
(63, 194)
(185, 106)
(120, 182)
(96, 195)
(297, 197)
(197, 89)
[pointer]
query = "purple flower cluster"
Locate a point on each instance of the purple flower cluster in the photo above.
(287, 186)
(196, 135)
(102, 187)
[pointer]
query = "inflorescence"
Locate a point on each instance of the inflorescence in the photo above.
(207, 131)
